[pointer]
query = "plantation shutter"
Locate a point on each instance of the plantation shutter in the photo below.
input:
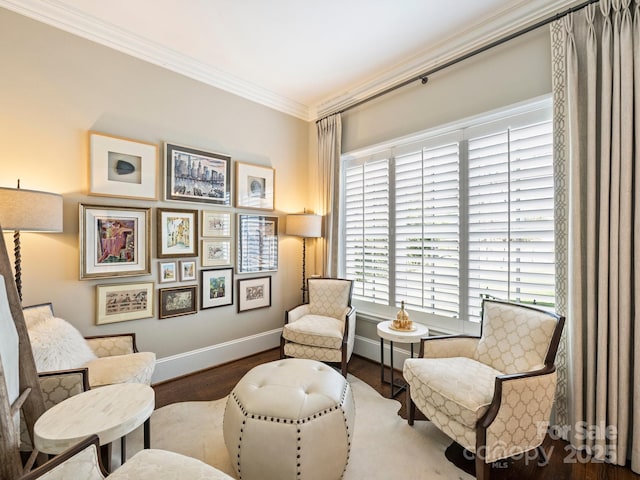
(427, 217)
(367, 229)
(511, 239)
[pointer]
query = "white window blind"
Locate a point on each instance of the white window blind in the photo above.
(511, 238)
(427, 229)
(367, 230)
(449, 218)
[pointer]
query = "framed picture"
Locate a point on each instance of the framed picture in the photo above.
(216, 288)
(193, 175)
(167, 272)
(176, 301)
(114, 241)
(177, 233)
(254, 293)
(123, 301)
(255, 186)
(121, 167)
(257, 243)
(215, 252)
(187, 270)
(216, 224)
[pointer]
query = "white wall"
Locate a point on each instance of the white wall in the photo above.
(54, 88)
(515, 71)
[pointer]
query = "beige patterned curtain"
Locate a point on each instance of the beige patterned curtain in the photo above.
(329, 150)
(596, 79)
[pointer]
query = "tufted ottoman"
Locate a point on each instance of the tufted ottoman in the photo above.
(290, 419)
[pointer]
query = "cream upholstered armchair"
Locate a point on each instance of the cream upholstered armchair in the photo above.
(323, 329)
(82, 461)
(492, 394)
(68, 364)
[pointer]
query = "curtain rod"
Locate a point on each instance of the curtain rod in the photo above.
(424, 77)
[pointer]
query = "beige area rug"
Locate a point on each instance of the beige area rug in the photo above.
(384, 446)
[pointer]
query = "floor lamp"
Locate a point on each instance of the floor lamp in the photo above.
(28, 211)
(305, 225)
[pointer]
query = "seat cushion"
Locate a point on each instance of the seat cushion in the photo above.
(130, 368)
(163, 465)
(315, 331)
(460, 387)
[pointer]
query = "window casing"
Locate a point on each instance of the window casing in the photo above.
(441, 219)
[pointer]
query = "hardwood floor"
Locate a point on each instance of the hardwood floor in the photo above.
(563, 462)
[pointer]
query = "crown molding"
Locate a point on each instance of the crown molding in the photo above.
(487, 30)
(73, 21)
(504, 23)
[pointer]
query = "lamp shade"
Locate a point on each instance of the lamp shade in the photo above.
(307, 225)
(30, 210)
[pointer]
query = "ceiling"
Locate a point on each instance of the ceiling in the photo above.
(305, 58)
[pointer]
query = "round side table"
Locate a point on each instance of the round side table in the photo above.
(386, 332)
(111, 412)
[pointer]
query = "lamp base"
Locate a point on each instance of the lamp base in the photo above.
(17, 265)
(304, 277)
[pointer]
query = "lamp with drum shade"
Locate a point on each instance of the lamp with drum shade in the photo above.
(28, 211)
(305, 225)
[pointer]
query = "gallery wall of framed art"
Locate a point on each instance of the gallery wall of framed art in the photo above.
(205, 241)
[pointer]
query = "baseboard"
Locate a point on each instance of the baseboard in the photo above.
(368, 348)
(207, 357)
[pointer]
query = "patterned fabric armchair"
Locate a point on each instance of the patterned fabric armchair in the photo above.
(69, 364)
(323, 329)
(492, 394)
(82, 461)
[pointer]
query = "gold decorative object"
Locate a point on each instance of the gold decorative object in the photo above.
(402, 321)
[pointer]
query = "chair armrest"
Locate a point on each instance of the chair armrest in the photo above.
(350, 327)
(110, 345)
(62, 384)
(296, 313)
(518, 417)
(448, 346)
(80, 461)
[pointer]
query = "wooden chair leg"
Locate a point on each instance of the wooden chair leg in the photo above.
(483, 470)
(281, 347)
(412, 408)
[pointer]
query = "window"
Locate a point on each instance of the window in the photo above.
(441, 220)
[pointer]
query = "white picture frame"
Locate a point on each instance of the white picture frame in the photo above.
(216, 224)
(255, 186)
(122, 167)
(215, 252)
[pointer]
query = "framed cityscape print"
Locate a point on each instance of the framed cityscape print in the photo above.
(121, 167)
(216, 288)
(216, 224)
(257, 243)
(193, 175)
(255, 186)
(124, 301)
(215, 252)
(176, 301)
(114, 241)
(254, 293)
(177, 233)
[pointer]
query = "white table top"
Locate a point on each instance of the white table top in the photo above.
(110, 412)
(385, 331)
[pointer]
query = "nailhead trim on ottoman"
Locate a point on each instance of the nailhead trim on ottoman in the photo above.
(290, 419)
